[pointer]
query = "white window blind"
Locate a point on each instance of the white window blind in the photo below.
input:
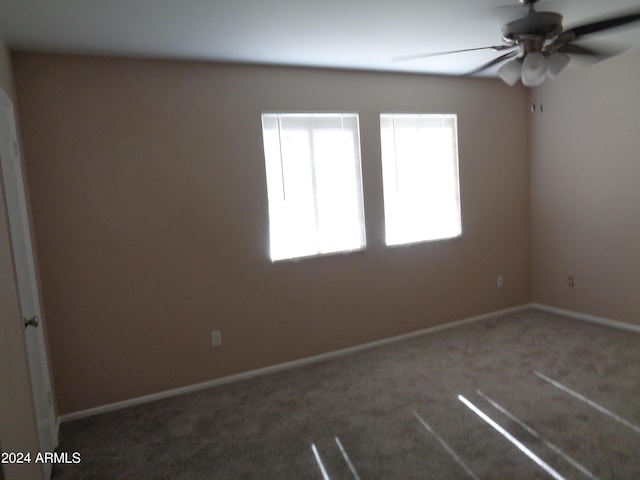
(314, 183)
(420, 177)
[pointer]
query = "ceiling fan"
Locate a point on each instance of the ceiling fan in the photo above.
(537, 45)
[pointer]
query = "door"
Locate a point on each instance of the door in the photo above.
(26, 276)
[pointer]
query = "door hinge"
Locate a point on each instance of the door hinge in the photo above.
(16, 149)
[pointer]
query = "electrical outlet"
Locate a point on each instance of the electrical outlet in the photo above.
(500, 281)
(571, 281)
(216, 338)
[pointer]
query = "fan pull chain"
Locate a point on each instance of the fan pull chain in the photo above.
(533, 100)
(537, 91)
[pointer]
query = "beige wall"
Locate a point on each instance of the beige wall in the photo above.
(151, 219)
(18, 431)
(585, 184)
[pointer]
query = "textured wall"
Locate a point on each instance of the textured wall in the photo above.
(585, 185)
(150, 210)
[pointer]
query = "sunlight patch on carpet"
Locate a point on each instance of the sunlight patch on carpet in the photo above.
(541, 463)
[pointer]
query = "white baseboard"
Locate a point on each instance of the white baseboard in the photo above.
(280, 367)
(629, 327)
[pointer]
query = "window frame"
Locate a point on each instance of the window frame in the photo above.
(355, 155)
(457, 191)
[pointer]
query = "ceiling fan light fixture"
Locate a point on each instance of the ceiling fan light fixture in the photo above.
(511, 72)
(556, 62)
(534, 69)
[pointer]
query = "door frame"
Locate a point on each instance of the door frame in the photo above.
(28, 293)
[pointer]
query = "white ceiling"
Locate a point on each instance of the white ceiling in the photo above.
(360, 34)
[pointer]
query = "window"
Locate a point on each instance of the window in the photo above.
(314, 183)
(420, 177)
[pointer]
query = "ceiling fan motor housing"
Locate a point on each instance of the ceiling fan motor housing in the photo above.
(544, 25)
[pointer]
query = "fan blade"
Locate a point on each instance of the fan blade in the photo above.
(573, 49)
(496, 48)
(600, 25)
(493, 62)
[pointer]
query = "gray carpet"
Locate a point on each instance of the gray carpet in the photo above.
(553, 398)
